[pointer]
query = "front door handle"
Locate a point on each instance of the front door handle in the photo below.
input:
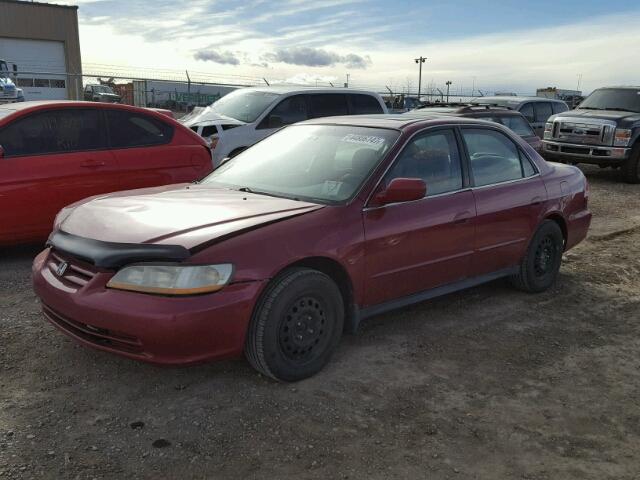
(92, 163)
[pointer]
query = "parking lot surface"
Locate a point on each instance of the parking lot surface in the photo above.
(488, 383)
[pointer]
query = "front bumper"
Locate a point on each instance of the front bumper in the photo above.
(156, 329)
(579, 153)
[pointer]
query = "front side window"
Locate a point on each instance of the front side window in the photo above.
(364, 104)
(494, 157)
(527, 111)
(328, 105)
(291, 110)
(56, 131)
(434, 158)
(543, 111)
(130, 129)
(319, 163)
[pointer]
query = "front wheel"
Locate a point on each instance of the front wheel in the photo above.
(541, 264)
(296, 325)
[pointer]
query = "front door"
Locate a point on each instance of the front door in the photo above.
(419, 245)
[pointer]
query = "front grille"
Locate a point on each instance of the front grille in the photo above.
(590, 132)
(75, 275)
(97, 336)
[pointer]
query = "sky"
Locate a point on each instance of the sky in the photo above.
(514, 46)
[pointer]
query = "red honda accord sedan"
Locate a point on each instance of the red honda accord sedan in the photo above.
(303, 235)
(53, 154)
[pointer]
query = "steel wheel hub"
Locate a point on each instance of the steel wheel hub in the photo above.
(303, 329)
(545, 257)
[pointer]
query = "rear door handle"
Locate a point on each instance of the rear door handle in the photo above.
(462, 217)
(92, 164)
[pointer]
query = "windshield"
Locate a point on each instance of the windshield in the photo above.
(625, 99)
(244, 105)
(4, 69)
(318, 163)
(102, 89)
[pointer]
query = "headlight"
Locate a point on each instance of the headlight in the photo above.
(172, 279)
(622, 137)
(548, 130)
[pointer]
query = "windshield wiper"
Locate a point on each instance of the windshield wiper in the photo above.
(620, 109)
(590, 108)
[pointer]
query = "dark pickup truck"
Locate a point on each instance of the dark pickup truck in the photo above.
(604, 130)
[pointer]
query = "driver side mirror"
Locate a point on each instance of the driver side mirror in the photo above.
(401, 190)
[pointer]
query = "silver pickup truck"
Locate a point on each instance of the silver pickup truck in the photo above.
(604, 130)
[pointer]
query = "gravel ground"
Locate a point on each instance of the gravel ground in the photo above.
(489, 383)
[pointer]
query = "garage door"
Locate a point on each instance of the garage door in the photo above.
(41, 67)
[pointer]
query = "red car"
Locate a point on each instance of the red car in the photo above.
(53, 154)
(303, 235)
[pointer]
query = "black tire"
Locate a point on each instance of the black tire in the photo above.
(541, 263)
(296, 325)
(631, 167)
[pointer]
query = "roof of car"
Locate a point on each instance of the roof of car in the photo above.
(398, 121)
(512, 99)
(285, 89)
(465, 110)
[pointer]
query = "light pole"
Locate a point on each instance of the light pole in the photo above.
(449, 82)
(420, 61)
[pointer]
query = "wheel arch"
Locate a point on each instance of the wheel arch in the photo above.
(562, 223)
(338, 273)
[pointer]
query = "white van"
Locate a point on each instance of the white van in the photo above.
(247, 115)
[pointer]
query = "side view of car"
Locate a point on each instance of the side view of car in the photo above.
(509, 118)
(303, 235)
(247, 115)
(53, 154)
(100, 93)
(604, 130)
(536, 110)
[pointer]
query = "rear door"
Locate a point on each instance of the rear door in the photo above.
(146, 153)
(509, 196)
(327, 105)
(53, 158)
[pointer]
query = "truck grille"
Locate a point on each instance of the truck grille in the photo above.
(585, 132)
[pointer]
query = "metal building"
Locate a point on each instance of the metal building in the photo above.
(42, 40)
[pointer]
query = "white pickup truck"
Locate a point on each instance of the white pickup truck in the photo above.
(9, 93)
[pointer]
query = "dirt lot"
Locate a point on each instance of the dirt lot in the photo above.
(488, 383)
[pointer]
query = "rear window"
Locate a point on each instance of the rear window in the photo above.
(364, 104)
(543, 111)
(518, 124)
(328, 105)
(131, 129)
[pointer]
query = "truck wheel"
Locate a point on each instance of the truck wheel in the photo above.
(296, 325)
(631, 167)
(540, 265)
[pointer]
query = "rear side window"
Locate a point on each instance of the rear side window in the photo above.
(328, 105)
(132, 129)
(494, 157)
(55, 131)
(527, 111)
(208, 131)
(559, 107)
(364, 104)
(543, 112)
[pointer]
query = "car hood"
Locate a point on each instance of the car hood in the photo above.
(600, 115)
(185, 215)
(207, 115)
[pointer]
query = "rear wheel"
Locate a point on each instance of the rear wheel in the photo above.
(631, 167)
(296, 326)
(540, 265)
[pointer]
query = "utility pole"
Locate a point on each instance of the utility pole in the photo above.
(420, 61)
(346, 85)
(449, 82)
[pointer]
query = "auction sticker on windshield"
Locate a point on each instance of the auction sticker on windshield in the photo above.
(369, 140)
